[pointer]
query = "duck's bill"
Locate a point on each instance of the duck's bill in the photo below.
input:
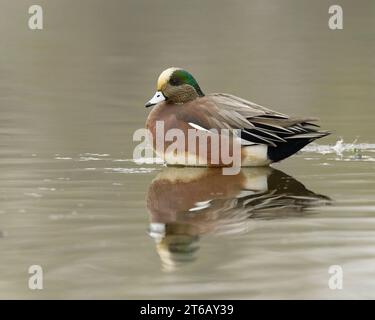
(158, 97)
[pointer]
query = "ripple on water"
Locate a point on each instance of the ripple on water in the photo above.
(131, 170)
(343, 151)
(339, 147)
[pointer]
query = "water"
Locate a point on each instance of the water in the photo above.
(103, 226)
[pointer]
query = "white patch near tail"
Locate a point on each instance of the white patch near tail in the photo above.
(254, 156)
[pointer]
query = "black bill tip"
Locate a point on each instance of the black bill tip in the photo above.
(149, 104)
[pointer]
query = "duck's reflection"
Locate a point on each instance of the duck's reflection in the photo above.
(185, 203)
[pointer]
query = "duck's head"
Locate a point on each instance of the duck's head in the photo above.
(175, 85)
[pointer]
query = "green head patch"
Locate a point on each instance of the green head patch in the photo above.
(180, 77)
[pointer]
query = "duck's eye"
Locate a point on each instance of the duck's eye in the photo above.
(174, 82)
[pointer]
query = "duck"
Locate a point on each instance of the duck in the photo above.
(263, 136)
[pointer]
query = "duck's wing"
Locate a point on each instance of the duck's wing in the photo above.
(258, 125)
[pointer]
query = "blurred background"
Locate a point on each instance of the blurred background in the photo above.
(72, 94)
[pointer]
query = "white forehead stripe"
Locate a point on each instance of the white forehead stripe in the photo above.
(165, 75)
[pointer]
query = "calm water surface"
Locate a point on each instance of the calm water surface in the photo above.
(102, 226)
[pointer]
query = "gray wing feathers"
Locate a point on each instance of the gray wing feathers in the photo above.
(258, 124)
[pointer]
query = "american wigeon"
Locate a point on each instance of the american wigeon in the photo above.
(266, 136)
